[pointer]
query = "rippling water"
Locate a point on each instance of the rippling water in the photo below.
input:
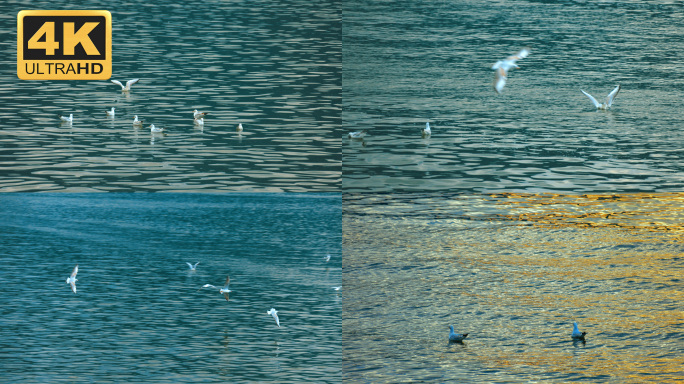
(513, 271)
(137, 316)
(273, 66)
(406, 63)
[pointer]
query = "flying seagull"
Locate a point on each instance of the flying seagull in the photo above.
(609, 99)
(224, 291)
(576, 334)
(72, 280)
(127, 87)
(503, 66)
(274, 313)
(456, 337)
(192, 267)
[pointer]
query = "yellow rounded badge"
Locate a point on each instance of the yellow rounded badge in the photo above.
(64, 45)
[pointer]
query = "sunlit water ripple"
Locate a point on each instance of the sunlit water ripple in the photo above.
(513, 271)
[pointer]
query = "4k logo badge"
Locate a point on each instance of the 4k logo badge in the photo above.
(64, 45)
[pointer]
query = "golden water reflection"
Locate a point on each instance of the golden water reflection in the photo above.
(514, 271)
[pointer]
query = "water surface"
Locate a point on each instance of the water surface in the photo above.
(407, 63)
(272, 66)
(513, 271)
(138, 316)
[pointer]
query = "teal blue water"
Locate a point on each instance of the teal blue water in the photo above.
(138, 317)
(272, 66)
(407, 63)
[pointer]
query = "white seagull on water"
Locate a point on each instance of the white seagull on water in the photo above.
(576, 334)
(426, 132)
(224, 291)
(357, 135)
(154, 129)
(72, 279)
(456, 337)
(136, 121)
(609, 99)
(127, 87)
(503, 66)
(192, 267)
(274, 313)
(239, 128)
(110, 113)
(199, 115)
(65, 119)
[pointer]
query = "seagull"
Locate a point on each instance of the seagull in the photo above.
(69, 119)
(426, 131)
(110, 113)
(136, 121)
(576, 334)
(154, 129)
(357, 135)
(327, 258)
(224, 291)
(127, 87)
(192, 267)
(337, 288)
(197, 114)
(456, 337)
(609, 99)
(72, 280)
(503, 66)
(274, 313)
(239, 128)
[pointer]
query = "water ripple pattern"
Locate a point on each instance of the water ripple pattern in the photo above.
(273, 66)
(407, 63)
(514, 271)
(138, 317)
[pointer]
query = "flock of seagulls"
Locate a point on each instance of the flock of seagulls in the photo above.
(501, 68)
(198, 116)
(225, 290)
(459, 337)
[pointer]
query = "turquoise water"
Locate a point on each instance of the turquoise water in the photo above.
(138, 316)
